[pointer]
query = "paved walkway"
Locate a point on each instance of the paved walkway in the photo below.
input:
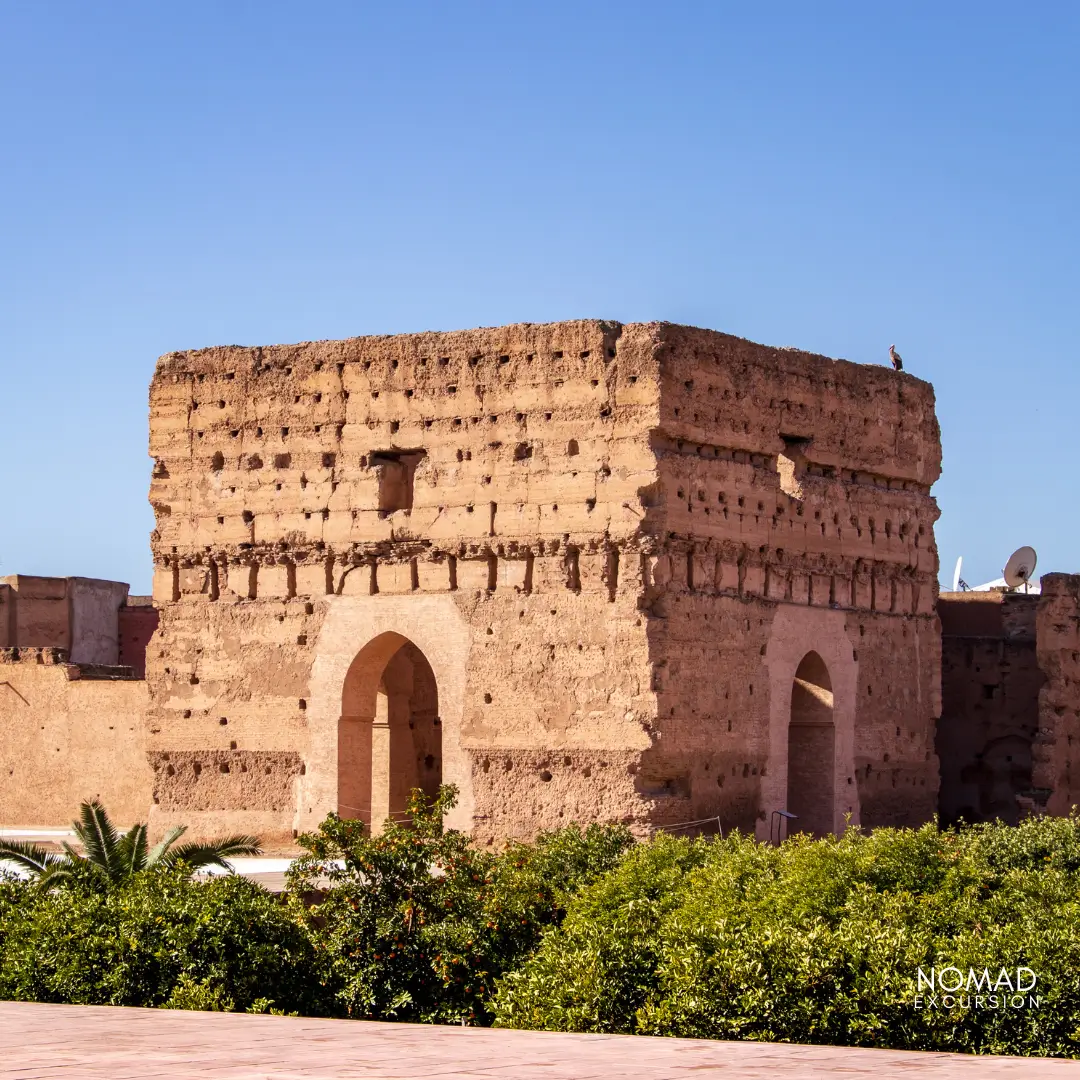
(94, 1043)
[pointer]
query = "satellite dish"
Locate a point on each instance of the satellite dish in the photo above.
(1019, 568)
(956, 574)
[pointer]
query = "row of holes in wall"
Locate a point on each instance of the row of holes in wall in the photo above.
(393, 363)
(902, 528)
(249, 575)
(450, 423)
(388, 504)
(522, 451)
(659, 785)
(409, 392)
(868, 591)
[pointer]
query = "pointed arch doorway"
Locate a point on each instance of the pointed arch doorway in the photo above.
(389, 734)
(811, 774)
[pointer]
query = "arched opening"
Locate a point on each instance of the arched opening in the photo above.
(812, 749)
(389, 735)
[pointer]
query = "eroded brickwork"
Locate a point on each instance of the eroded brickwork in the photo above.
(613, 544)
(72, 702)
(990, 714)
(69, 732)
(1056, 753)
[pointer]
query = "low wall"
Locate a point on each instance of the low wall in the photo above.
(70, 732)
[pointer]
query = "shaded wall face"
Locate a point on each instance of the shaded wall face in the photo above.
(39, 612)
(796, 490)
(135, 627)
(989, 720)
(95, 607)
(811, 756)
(812, 749)
(1056, 753)
(897, 704)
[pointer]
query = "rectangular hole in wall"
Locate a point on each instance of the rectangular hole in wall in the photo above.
(395, 470)
(612, 573)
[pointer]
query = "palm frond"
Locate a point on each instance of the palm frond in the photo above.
(131, 850)
(54, 874)
(29, 856)
(160, 850)
(214, 852)
(98, 836)
(71, 854)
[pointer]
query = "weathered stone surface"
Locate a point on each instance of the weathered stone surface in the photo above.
(571, 568)
(990, 715)
(1058, 741)
(65, 737)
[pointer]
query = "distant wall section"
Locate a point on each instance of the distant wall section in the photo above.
(990, 681)
(68, 734)
(1056, 764)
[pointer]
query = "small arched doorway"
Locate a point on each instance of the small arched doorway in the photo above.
(389, 734)
(812, 749)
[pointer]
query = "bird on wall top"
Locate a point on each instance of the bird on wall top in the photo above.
(894, 356)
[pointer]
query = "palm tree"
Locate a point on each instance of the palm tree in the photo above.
(116, 857)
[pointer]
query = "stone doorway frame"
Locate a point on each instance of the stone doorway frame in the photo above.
(795, 632)
(434, 624)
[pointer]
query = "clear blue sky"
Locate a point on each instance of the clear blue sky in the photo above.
(832, 176)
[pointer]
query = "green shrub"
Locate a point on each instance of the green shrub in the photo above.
(416, 924)
(595, 972)
(818, 941)
(157, 939)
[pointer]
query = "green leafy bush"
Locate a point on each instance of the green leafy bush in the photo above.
(155, 939)
(819, 941)
(416, 924)
(582, 930)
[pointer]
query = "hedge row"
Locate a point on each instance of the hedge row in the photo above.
(583, 930)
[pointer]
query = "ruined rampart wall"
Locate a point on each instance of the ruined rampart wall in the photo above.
(78, 615)
(68, 733)
(792, 484)
(1056, 753)
(613, 544)
(485, 470)
(990, 704)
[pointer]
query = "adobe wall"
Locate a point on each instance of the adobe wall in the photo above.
(1056, 753)
(136, 623)
(78, 615)
(991, 680)
(69, 733)
(613, 586)
(281, 553)
(794, 515)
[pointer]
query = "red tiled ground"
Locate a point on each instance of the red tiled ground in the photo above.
(72, 1041)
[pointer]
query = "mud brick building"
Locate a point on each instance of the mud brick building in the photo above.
(583, 571)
